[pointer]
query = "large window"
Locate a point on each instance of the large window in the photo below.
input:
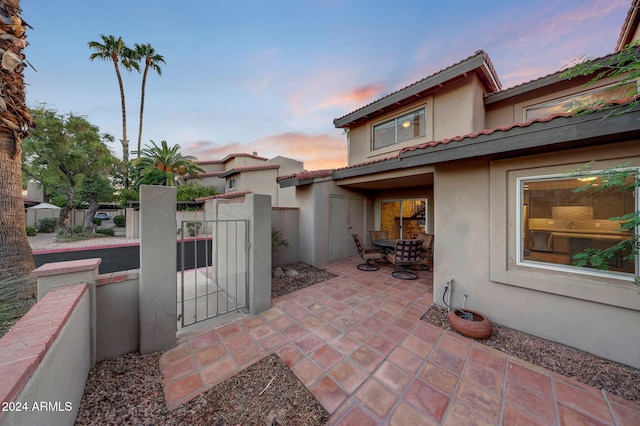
(582, 100)
(557, 222)
(403, 218)
(399, 129)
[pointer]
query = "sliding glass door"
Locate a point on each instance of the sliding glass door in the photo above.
(403, 218)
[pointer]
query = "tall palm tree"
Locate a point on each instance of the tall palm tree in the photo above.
(169, 161)
(16, 258)
(152, 61)
(116, 50)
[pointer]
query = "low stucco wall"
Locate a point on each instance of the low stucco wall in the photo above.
(117, 321)
(45, 360)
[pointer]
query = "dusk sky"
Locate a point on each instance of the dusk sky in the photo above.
(270, 76)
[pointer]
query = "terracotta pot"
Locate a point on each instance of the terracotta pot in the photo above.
(479, 328)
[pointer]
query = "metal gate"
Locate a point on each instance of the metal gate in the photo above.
(215, 282)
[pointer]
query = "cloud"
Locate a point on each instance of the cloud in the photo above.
(320, 151)
(354, 98)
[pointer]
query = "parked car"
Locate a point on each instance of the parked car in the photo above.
(103, 216)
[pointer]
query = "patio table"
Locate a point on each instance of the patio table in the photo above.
(386, 244)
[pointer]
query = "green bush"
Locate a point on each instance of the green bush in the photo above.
(193, 227)
(107, 231)
(76, 229)
(277, 240)
(31, 231)
(47, 224)
(120, 221)
(97, 221)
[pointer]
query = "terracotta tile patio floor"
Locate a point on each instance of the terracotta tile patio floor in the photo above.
(357, 343)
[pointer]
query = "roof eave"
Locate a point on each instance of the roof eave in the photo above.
(537, 137)
(476, 62)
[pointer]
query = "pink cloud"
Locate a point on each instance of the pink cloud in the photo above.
(355, 97)
(316, 151)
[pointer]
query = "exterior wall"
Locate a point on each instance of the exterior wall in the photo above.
(576, 309)
(286, 197)
(211, 166)
(512, 111)
(287, 221)
(457, 109)
(360, 143)
(243, 161)
(315, 219)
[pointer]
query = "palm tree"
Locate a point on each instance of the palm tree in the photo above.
(169, 161)
(16, 258)
(114, 49)
(151, 60)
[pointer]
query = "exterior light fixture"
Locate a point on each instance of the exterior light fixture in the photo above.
(406, 124)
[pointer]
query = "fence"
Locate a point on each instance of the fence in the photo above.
(222, 285)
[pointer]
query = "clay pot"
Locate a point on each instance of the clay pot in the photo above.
(479, 328)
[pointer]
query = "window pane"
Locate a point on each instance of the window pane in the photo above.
(411, 126)
(384, 134)
(558, 222)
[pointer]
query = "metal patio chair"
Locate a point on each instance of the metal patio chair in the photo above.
(369, 256)
(406, 254)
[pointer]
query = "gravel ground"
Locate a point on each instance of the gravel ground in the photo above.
(127, 390)
(48, 242)
(600, 373)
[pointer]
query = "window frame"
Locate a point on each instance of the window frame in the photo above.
(396, 122)
(519, 232)
(572, 97)
(232, 183)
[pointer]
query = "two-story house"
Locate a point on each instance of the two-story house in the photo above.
(487, 170)
(237, 175)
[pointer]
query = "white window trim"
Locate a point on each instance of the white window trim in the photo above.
(553, 266)
(503, 266)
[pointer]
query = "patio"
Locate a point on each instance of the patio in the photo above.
(357, 343)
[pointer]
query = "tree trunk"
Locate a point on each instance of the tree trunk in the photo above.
(89, 215)
(16, 258)
(124, 140)
(144, 82)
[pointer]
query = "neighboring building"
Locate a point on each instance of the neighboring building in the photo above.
(486, 171)
(239, 174)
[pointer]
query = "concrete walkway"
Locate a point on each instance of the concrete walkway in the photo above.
(357, 343)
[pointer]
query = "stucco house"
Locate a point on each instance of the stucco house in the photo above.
(236, 175)
(486, 169)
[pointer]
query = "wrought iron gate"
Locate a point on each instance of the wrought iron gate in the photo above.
(215, 282)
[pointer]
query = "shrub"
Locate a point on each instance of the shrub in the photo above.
(31, 231)
(97, 221)
(277, 241)
(47, 224)
(76, 229)
(107, 231)
(193, 227)
(120, 221)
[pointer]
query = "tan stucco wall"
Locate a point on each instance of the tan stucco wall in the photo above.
(476, 212)
(314, 202)
(457, 109)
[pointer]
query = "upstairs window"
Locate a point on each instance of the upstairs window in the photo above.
(232, 183)
(581, 100)
(399, 129)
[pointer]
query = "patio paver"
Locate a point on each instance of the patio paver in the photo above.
(357, 343)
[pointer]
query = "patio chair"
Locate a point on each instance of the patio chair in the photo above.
(406, 254)
(426, 254)
(369, 256)
(379, 235)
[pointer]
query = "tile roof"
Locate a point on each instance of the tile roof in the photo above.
(234, 194)
(629, 26)
(241, 154)
(305, 175)
(473, 135)
(492, 78)
(236, 170)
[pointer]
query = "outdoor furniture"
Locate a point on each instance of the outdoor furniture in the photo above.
(369, 256)
(405, 255)
(379, 235)
(426, 251)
